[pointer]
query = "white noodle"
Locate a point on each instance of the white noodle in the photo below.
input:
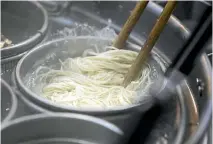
(96, 81)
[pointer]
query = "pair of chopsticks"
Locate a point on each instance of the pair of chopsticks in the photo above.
(151, 40)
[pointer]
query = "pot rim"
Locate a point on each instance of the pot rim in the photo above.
(12, 58)
(14, 102)
(38, 35)
(83, 117)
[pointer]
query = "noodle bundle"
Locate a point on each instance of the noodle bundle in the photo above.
(95, 81)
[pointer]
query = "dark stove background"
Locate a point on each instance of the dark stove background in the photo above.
(189, 12)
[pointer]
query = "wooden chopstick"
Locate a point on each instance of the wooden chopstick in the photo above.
(150, 42)
(130, 23)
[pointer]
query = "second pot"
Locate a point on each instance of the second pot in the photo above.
(60, 128)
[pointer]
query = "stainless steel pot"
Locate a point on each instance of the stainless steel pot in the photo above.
(8, 102)
(49, 54)
(25, 23)
(60, 128)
